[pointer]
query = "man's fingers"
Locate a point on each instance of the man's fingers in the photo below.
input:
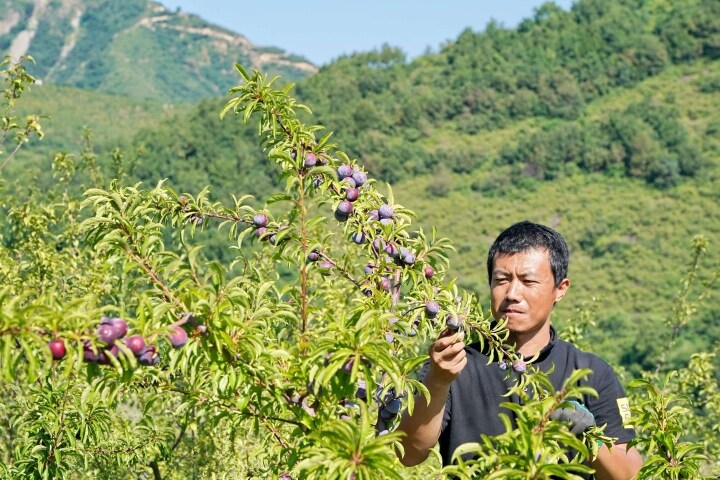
(445, 341)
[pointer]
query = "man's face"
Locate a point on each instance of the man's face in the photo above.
(523, 290)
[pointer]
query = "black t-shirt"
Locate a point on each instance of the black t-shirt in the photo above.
(473, 404)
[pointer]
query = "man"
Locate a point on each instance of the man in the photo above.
(527, 270)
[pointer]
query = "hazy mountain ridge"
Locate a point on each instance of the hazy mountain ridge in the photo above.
(137, 48)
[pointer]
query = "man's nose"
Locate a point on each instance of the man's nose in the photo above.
(514, 291)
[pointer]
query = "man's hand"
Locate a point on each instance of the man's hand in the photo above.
(579, 417)
(447, 359)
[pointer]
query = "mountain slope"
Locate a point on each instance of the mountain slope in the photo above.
(136, 48)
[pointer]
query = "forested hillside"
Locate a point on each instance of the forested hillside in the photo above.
(135, 48)
(601, 121)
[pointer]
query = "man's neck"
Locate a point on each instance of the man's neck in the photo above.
(529, 344)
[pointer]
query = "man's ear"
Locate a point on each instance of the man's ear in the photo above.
(562, 289)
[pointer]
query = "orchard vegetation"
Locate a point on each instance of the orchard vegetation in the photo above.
(129, 352)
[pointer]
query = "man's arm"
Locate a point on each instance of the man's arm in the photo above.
(617, 463)
(422, 428)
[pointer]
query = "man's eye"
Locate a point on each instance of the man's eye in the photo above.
(500, 280)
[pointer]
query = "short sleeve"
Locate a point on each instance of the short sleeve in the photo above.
(611, 406)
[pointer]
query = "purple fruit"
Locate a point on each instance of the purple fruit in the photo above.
(310, 159)
(385, 211)
(352, 194)
(432, 308)
(348, 366)
(389, 337)
(361, 392)
(360, 178)
(385, 284)
(260, 220)
(88, 354)
(391, 249)
(349, 182)
(344, 171)
(369, 268)
(149, 356)
(326, 265)
(260, 232)
(197, 219)
(452, 322)
(428, 271)
(104, 355)
(378, 244)
(135, 344)
(313, 256)
(519, 366)
(394, 405)
(317, 181)
(57, 349)
(358, 237)
(178, 336)
(373, 215)
(387, 415)
(293, 154)
(345, 207)
(272, 239)
(120, 326)
(341, 217)
(502, 365)
(285, 476)
(107, 334)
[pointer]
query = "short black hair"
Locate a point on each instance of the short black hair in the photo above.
(526, 235)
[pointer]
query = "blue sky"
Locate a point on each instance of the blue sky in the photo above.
(322, 30)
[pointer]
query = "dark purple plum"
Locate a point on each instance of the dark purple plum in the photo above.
(313, 256)
(105, 354)
(519, 366)
(352, 194)
(360, 178)
(389, 337)
(326, 264)
(149, 356)
(344, 171)
(358, 237)
(348, 182)
(310, 159)
(260, 220)
(135, 343)
(57, 349)
(373, 215)
(386, 221)
(178, 336)
(394, 405)
(341, 217)
(361, 392)
(348, 366)
(385, 283)
(369, 268)
(345, 207)
(452, 322)
(260, 232)
(107, 334)
(120, 326)
(386, 211)
(317, 181)
(391, 249)
(432, 308)
(387, 415)
(378, 244)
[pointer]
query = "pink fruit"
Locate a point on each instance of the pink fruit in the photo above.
(178, 337)
(57, 348)
(135, 343)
